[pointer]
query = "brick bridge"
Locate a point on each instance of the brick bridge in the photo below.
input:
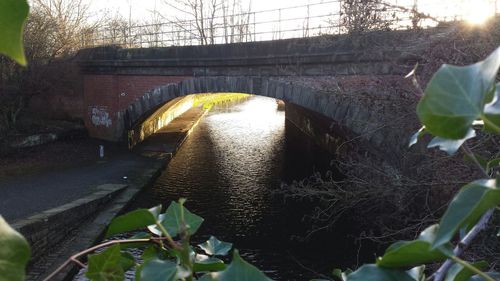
(354, 81)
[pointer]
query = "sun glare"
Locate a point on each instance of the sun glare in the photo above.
(478, 12)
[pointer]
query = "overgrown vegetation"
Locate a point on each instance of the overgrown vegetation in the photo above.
(363, 15)
(51, 31)
(458, 103)
(163, 258)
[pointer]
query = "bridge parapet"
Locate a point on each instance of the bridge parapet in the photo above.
(371, 53)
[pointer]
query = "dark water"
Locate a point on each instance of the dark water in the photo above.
(228, 169)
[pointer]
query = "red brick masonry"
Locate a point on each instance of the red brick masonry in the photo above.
(105, 95)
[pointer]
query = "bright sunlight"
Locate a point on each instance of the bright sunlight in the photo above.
(477, 12)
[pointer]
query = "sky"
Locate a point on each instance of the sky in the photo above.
(324, 17)
(141, 9)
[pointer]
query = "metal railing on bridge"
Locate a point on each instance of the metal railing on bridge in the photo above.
(315, 19)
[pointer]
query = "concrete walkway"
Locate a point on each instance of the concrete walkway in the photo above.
(21, 197)
(24, 196)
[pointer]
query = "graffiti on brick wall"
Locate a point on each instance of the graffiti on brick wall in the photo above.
(99, 116)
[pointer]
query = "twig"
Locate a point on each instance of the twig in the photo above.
(414, 80)
(307, 268)
(464, 243)
(469, 153)
(78, 262)
(472, 268)
(168, 237)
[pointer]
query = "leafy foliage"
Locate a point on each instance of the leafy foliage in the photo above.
(109, 265)
(467, 207)
(205, 263)
(416, 252)
(215, 247)
(13, 14)
(451, 146)
(238, 270)
(157, 270)
(455, 97)
(174, 221)
(134, 220)
(14, 253)
(460, 273)
(373, 272)
(172, 260)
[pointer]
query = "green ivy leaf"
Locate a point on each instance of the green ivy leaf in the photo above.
(215, 247)
(451, 146)
(372, 272)
(150, 253)
(456, 96)
(14, 253)
(238, 270)
(106, 266)
(494, 275)
(416, 252)
(459, 273)
(157, 270)
(127, 261)
(204, 263)
(171, 220)
(134, 220)
(492, 113)
(13, 14)
(471, 202)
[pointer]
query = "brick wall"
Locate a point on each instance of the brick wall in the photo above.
(105, 95)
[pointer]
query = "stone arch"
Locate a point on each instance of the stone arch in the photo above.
(357, 118)
(296, 93)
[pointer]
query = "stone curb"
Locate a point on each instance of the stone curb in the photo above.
(91, 231)
(48, 228)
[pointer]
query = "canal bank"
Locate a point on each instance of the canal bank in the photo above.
(60, 232)
(165, 142)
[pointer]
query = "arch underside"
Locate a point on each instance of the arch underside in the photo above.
(293, 92)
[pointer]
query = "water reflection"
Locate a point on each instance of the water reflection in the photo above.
(246, 142)
(228, 169)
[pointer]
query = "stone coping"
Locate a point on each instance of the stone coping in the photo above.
(46, 229)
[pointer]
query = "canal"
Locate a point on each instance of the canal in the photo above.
(230, 168)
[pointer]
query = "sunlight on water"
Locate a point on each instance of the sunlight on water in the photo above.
(245, 139)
